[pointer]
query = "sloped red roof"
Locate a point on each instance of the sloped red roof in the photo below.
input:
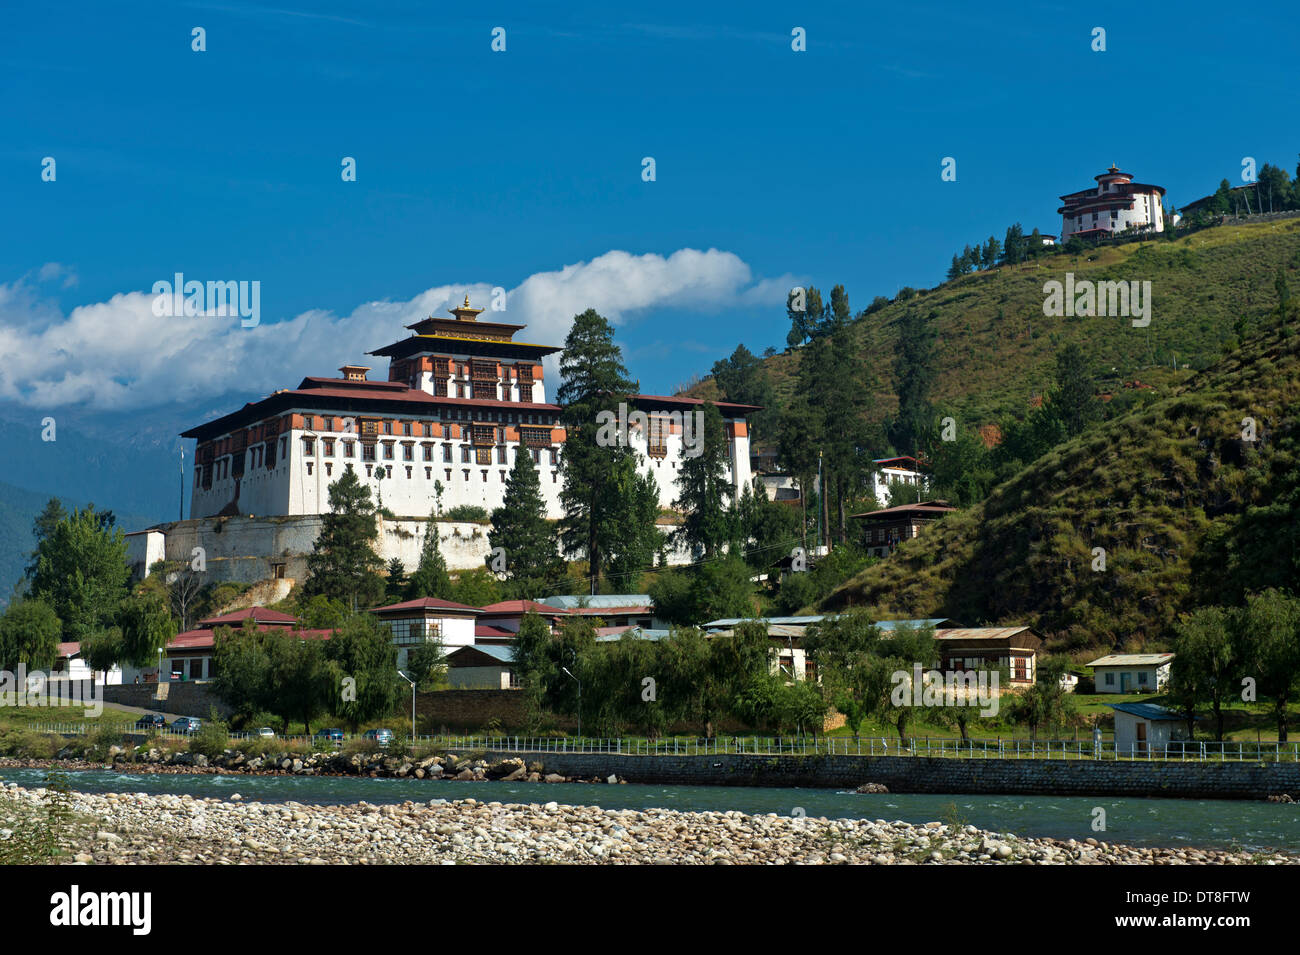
(509, 607)
(206, 639)
(258, 614)
(425, 603)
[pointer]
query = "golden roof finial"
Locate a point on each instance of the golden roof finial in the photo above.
(467, 300)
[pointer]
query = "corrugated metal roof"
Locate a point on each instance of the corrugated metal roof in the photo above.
(980, 633)
(1131, 660)
(599, 601)
(1149, 711)
(495, 651)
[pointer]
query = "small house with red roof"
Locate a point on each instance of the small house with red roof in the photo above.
(189, 656)
(418, 621)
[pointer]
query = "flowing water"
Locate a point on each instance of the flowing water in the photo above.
(1220, 824)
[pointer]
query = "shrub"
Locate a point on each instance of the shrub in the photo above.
(26, 744)
(212, 739)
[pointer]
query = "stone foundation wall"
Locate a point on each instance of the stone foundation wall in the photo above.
(907, 774)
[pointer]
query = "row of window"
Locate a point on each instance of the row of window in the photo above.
(387, 470)
(415, 429)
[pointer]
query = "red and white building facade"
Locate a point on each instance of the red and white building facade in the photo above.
(461, 399)
(1115, 204)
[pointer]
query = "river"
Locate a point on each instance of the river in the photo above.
(1219, 824)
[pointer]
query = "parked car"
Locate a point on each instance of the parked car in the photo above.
(186, 725)
(381, 736)
(265, 732)
(331, 735)
(151, 721)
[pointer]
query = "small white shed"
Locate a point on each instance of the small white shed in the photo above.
(1143, 729)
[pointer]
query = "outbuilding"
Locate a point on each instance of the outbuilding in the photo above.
(1131, 672)
(1144, 728)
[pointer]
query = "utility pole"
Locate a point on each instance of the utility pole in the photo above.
(182, 503)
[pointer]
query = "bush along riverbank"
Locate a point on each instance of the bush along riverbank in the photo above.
(467, 767)
(127, 828)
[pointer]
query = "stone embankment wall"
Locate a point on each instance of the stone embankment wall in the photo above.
(917, 774)
(180, 699)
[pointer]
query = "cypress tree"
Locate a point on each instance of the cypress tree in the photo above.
(343, 563)
(430, 578)
(519, 527)
(593, 380)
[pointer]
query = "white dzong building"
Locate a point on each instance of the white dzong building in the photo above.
(461, 399)
(1115, 204)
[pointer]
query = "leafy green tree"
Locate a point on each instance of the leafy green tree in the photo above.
(521, 530)
(304, 684)
(81, 572)
(722, 588)
(800, 706)
(476, 588)
(322, 613)
(991, 252)
(102, 650)
(593, 383)
(1269, 637)
(845, 651)
(1046, 702)
(146, 626)
(426, 664)
(243, 677)
(766, 530)
(704, 490)
(430, 578)
(1206, 663)
(29, 634)
(1013, 246)
(364, 663)
(343, 563)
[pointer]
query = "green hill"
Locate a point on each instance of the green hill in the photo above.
(996, 349)
(1186, 511)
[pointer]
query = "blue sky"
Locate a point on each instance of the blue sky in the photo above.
(522, 169)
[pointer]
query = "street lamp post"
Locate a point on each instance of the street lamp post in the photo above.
(412, 682)
(579, 682)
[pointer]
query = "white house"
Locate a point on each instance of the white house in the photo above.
(903, 469)
(69, 665)
(413, 622)
(1131, 672)
(1144, 728)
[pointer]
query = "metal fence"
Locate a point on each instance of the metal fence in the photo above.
(925, 746)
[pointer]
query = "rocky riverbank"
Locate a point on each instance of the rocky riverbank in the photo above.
(135, 828)
(464, 767)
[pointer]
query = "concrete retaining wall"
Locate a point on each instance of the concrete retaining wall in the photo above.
(906, 774)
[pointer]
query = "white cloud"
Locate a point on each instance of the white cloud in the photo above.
(117, 355)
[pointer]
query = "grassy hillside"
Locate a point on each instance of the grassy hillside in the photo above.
(1186, 511)
(996, 348)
